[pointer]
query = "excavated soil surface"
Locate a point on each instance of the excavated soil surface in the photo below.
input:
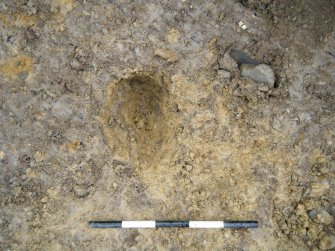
(135, 110)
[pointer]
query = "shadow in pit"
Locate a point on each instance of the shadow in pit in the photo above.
(135, 117)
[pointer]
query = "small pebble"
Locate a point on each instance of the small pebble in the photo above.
(80, 192)
(223, 74)
(169, 55)
(312, 214)
(242, 25)
(188, 167)
(39, 156)
(2, 155)
(263, 88)
(44, 199)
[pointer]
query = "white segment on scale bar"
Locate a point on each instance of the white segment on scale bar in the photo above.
(206, 224)
(138, 224)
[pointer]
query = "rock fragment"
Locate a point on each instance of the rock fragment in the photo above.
(39, 156)
(173, 36)
(261, 73)
(324, 217)
(312, 214)
(169, 55)
(188, 167)
(223, 74)
(252, 68)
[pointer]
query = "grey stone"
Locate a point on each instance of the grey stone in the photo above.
(241, 57)
(312, 214)
(261, 73)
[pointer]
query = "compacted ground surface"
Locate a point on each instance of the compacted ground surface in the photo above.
(135, 110)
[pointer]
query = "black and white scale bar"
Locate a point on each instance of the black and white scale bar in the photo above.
(179, 224)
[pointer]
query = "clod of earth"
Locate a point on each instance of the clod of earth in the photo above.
(327, 243)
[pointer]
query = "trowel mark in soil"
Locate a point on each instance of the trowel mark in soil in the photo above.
(134, 118)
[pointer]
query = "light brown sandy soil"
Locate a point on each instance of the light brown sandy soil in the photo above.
(121, 110)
